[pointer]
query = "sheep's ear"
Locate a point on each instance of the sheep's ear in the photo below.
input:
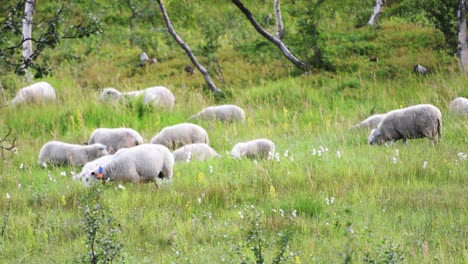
(102, 147)
(376, 132)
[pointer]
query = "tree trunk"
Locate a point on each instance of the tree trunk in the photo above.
(27, 31)
(268, 36)
(462, 45)
(187, 50)
(377, 10)
(279, 20)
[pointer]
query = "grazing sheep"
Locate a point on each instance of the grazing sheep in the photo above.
(91, 165)
(35, 93)
(459, 106)
(258, 148)
(116, 138)
(180, 135)
(224, 113)
(370, 122)
(61, 153)
(143, 163)
(197, 151)
(157, 96)
(416, 121)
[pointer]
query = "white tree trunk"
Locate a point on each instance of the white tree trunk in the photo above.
(279, 20)
(462, 45)
(187, 50)
(377, 10)
(27, 29)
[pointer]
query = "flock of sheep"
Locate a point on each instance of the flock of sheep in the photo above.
(120, 154)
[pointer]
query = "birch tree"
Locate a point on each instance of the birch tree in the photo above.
(27, 31)
(276, 41)
(279, 19)
(462, 45)
(377, 11)
(187, 49)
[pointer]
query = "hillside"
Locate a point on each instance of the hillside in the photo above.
(326, 197)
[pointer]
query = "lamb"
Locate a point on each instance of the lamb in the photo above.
(197, 151)
(90, 166)
(158, 96)
(459, 106)
(416, 121)
(258, 148)
(143, 163)
(370, 122)
(61, 153)
(180, 135)
(35, 93)
(116, 138)
(224, 113)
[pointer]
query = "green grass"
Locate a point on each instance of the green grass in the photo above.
(335, 197)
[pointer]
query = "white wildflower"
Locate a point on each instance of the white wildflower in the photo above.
(121, 187)
(291, 158)
(21, 166)
(8, 196)
(277, 156)
(294, 213)
(314, 152)
(330, 200)
(19, 185)
(286, 153)
(338, 154)
(394, 160)
(397, 152)
(424, 164)
(319, 153)
(63, 173)
(462, 156)
(211, 169)
(241, 215)
(199, 200)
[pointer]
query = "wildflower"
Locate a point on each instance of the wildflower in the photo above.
(291, 158)
(397, 152)
(314, 152)
(21, 166)
(200, 177)
(241, 215)
(338, 154)
(64, 201)
(63, 173)
(211, 169)
(8, 196)
(394, 160)
(277, 156)
(462, 156)
(286, 153)
(19, 185)
(424, 164)
(294, 213)
(199, 200)
(319, 153)
(330, 200)
(272, 191)
(121, 187)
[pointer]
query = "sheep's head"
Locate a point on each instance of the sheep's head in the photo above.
(237, 151)
(89, 179)
(376, 137)
(111, 94)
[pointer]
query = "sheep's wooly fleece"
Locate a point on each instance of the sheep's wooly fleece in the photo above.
(142, 163)
(157, 96)
(459, 105)
(35, 93)
(258, 148)
(61, 153)
(180, 135)
(116, 138)
(224, 113)
(416, 121)
(197, 151)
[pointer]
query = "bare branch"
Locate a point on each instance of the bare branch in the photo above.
(7, 145)
(270, 37)
(187, 50)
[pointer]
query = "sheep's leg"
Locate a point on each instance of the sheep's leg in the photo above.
(405, 142)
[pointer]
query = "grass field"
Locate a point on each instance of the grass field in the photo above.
(326, 197)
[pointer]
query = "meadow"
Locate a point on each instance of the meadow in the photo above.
(326, 197)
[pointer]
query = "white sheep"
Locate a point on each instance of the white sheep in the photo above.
(416, 121)
(197, 151)
(224, 113)
(61, 153)
(459, 106)
(90, 166)
(35, 93)
(143, 163)
(116, 138)
(370, 123)
(180, 135)
(258, 148)
(158, 96)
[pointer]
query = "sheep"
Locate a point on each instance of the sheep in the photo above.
(90, 166)
(180, 135)
(416, 121)
(370, 122)
(61, 153)
(258, 148)
(158, 96)
(459, 106)
(197, 151)
(224, 113)
(142, 163)
(116, 138)
(35, 93)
